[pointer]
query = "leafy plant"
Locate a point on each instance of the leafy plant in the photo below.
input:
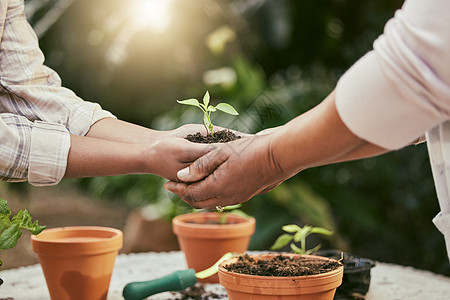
(208, 109)
(297, 234)
(10, 228)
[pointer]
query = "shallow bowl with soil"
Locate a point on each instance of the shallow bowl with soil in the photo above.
(275, 276)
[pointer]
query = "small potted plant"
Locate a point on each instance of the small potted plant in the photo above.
(205, 236)
(11, 228)
(356, 278)
(283, 276)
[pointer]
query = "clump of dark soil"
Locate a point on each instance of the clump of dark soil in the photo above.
(222, 136)
(197, 292)
(281, 266)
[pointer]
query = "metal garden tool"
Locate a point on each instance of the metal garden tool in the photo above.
(176, 281)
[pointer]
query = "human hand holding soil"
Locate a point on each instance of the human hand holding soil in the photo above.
(236, 171)
(231, 173)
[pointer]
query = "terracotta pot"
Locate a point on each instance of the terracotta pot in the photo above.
(78, 261)
(203, 243)
(251, 287)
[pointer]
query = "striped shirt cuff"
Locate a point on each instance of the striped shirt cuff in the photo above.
(50, 144)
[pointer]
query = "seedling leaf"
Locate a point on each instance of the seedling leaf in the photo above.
(296, 249)
(193, 102)
(227, 108)
(291, 228)
(206, 99)
(314, 249)
(281, 241)
(321, 231)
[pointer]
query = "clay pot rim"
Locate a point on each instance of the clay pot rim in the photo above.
(56, 241)
(293, 278)
(243, 228)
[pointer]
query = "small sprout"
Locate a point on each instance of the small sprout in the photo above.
(224, 211)
(208, 109)
(296, 234)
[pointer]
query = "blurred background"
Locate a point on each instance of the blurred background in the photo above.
(272, 60)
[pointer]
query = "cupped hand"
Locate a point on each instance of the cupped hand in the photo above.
(167, 156)
(232, 173)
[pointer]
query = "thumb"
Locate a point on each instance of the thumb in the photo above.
(203, 166)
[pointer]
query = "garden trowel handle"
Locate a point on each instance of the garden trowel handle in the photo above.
(175, 281)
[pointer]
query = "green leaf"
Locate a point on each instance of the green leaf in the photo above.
(206, 99)
(291, 228)
(211, 109)
(302, 234)
(24, 219)
(9, 237)
(321, 230)
(281, 241)
(296, 249)
(314, 249)
(232, 207)
(10, 229)
(193, 102)
(227, 108)
(4, 209)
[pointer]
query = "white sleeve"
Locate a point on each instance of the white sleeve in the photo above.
(401, 89)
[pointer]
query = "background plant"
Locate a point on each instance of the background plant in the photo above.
(296, 234)
(11, 227)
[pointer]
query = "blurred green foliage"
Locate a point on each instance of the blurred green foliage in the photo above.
(272, 60)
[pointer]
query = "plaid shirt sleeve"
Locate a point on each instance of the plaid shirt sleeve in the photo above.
(37, 114)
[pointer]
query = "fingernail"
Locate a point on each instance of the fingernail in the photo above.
(183, 174)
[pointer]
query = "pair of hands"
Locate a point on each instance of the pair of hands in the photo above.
(226, 174)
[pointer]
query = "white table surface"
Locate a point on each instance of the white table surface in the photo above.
(389, 282)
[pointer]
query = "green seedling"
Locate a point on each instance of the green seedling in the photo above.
(296, 234)
(208, 109)
(231, 209)
(10, 228)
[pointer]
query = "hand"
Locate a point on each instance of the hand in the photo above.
(167, 156)
(231, 173)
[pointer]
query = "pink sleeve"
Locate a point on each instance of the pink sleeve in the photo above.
(401, 89)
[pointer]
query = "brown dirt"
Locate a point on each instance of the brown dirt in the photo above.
(281, 266)
(222, 136)
(197, 292)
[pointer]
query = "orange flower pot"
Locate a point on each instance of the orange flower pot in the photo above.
(203, 242)
(78, 261)
(250, 287)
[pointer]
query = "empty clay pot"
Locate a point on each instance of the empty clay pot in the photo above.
(78, 261)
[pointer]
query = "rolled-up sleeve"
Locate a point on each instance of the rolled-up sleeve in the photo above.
(36, 151)
(401, 89)
(37, 114)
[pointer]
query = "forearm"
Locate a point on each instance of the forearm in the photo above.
(121, 131)
(91, 157)
(318, 137)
